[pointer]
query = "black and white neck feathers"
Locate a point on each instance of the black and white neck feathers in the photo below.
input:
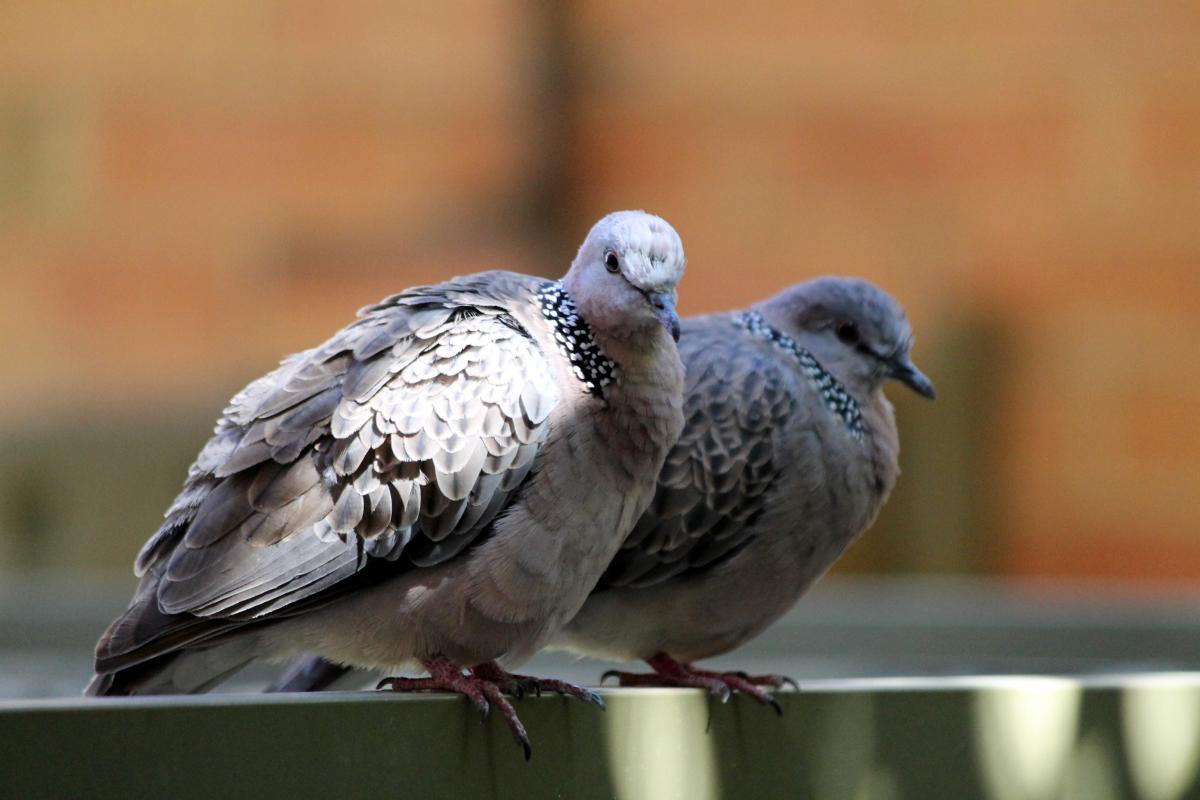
(836, 398)
(574, 338)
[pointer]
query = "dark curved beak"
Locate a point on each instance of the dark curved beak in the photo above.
(903, 370)
(664, 309)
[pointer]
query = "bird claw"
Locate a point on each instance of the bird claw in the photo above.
(522, 686)
(721, 685)
(588, 696)
(772, 680)
(481, 690)
(519, 685)
(484, 685)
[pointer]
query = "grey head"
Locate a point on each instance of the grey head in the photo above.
(856, 330)
(624, 279)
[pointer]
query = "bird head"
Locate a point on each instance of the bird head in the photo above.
(856, 330)
(624, 279)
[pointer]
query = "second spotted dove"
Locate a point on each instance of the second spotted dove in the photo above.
(788, 452)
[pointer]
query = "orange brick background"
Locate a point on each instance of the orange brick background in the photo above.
(188, 193)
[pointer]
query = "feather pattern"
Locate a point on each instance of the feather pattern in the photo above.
(446, 477)
(789, 450)
(415, 423)
(715, 479)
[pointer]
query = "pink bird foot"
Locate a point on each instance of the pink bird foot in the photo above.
(521, 685)
(445, 676)
(669, 672)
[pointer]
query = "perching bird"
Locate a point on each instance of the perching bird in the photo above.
(788, 452)
(441, 483)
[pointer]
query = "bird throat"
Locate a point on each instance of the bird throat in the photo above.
(832, 392)
(591, 366)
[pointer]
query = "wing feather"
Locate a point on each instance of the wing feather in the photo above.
(711, 487)
(399, 439)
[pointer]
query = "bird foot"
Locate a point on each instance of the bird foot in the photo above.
(445, 676)
(521, 685)
(770, 680)
(669, 672)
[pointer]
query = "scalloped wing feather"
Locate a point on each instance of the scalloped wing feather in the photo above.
(713, 484)
(400, 438)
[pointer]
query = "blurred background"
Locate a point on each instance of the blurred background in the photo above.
(189, 192)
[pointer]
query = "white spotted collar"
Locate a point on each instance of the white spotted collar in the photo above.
(574, 339)
(838, 400)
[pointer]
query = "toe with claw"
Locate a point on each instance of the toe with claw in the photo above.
(771, 680)
(526, 684)
(445, 676)
(485, 685)
(669, 672)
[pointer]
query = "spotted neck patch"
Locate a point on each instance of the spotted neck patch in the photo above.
(832, 392)
(574, 339)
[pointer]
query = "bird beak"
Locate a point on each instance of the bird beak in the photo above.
(664, 309)
(903, 370)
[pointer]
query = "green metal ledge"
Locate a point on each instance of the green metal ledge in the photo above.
(1131, 736)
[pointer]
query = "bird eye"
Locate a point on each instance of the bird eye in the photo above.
(847, 332)
(611, 262)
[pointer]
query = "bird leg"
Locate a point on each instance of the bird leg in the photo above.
(669, 672)
(445, 676)
(520, 685)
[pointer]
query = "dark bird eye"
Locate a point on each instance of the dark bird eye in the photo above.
(847, 332)
(611, 262)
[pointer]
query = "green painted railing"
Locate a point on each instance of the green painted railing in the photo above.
(1003, 738)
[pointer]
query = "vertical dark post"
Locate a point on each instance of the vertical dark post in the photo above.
(546, 192)
(940, 519)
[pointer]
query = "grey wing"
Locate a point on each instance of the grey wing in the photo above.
(713, 485)
(398, 440)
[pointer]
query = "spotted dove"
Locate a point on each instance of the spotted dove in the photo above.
(439, 484)
(788, 452)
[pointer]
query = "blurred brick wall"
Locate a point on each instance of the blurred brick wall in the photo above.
(1034, 165)
(186, 194)
(196, 189)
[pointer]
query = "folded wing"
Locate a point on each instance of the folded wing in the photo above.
(712, 486)
(393, 445)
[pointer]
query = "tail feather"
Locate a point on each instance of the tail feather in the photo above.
(192, 671)
(145, 633)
